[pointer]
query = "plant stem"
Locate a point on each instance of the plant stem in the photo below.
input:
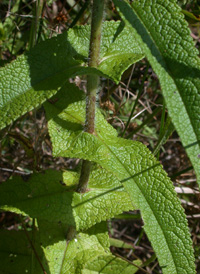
(38, 7)
(92, 83)
(93, 80)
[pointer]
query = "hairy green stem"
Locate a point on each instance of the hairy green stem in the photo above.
(92, 83)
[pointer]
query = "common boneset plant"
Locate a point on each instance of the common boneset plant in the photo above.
(117, 174)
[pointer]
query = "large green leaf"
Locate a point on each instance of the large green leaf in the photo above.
(116, 54)
(33, 78)
(105, 199)
(69, 257)
(16, 254)
(165, 38)
(56, 254)
(50, 195)
(40, 197)
(142, 176)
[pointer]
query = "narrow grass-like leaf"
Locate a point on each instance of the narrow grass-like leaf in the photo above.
(142, 176)
(164, 36)
(34, 77)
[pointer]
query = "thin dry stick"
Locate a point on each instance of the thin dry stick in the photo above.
(92, 84)
(124, 259)
(126, 90)
(33, 247)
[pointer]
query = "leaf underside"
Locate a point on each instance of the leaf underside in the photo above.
(131, 162)
(164, 36)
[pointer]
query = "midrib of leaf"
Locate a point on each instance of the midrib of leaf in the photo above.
(126, 186)
(82, 250)
(74, 117)
(43, 195)
(63, 259)
(100, 190)
(110, 56)
(167, 79)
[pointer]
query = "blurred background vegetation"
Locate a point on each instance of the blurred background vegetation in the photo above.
(135, 107)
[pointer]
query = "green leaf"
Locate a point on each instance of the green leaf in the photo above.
(165, 38)
(116, 54)
(105, 198)
(49, 195)
(70, 256)
(109, 264)
(142, 176)
(16, 254)
(34, 77)
(41, 197)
